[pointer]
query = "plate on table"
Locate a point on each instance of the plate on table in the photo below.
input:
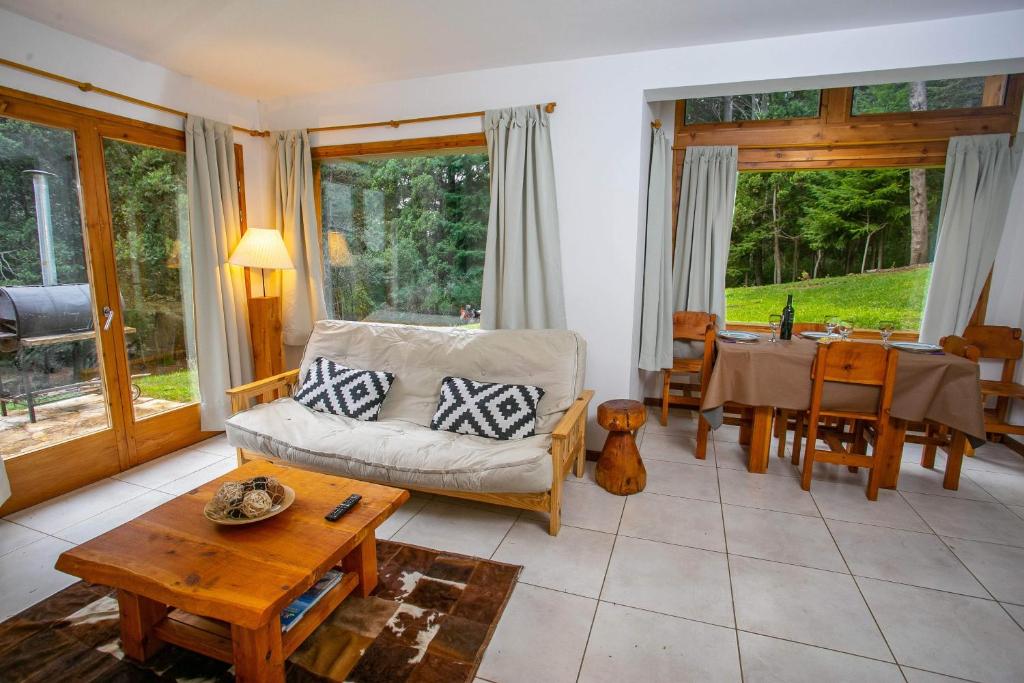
(289, 498)
(814, 335)
(916, 347)
(737, 336)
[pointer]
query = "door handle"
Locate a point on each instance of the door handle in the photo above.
(108, 317)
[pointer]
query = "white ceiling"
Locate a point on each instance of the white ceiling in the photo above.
(272, 48)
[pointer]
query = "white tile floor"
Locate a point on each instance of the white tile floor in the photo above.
(710, 574)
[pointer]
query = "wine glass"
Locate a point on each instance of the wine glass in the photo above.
(831, 323)
(774, 321)
(885, 328)
(845, 327)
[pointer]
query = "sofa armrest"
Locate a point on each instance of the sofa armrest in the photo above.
(262, 390)
(568, 451)
(568, 439)
(577, 411)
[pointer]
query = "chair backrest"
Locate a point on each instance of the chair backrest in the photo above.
(854, 363)
(421, 357)
(692, 325)
(996, 341)
(958, 346)
(808, 327)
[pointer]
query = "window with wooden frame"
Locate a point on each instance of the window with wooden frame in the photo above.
(403, 228)
(97, 363)
(854, 189)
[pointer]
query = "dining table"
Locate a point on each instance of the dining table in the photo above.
(764, 376)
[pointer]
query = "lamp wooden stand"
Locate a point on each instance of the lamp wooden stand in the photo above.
(265, 330)
(264, 248)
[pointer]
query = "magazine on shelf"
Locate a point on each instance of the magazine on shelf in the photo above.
(294, 612)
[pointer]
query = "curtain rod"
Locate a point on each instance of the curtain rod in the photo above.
(395, 123)
(85, 86)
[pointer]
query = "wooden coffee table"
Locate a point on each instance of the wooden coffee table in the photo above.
(219, 590)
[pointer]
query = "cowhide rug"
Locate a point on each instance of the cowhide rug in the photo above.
(429, 619)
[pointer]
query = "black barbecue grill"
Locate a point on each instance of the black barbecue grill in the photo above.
(38, 317)
(28, 312)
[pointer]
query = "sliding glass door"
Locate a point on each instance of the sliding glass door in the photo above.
(149, 212)
(152, 251)
(54, 355)
(97, 352)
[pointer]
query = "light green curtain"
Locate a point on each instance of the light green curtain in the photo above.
(302, 289)
(706, 200)
(980, 171)
(656, 302)
(221, 310)
(522, 283)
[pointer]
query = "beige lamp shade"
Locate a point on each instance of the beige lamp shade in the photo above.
(261, 248)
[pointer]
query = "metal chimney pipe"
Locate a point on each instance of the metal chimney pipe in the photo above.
(44, 225)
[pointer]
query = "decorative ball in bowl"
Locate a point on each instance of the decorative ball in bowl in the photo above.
(245, 502)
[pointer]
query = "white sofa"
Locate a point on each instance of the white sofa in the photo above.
(399, 448)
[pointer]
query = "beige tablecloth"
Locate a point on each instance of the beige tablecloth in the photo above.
(942, 388)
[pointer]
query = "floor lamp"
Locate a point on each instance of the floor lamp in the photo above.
(263, 248)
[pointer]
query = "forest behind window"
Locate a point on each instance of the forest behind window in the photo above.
(404, 237)
(25, 147)
(948, 93)
(789, 104)
(851, 243)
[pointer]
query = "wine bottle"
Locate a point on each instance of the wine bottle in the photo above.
(786, 328)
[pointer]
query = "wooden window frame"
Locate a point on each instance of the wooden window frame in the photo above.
(439, 143)
(836, 139)
(44, 473)
(447, 144)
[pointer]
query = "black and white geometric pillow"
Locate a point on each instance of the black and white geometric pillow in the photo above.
(332, 388)
(496, 411)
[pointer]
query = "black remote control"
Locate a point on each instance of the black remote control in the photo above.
(346, 505)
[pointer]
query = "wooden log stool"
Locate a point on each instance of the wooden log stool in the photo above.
(620, 469)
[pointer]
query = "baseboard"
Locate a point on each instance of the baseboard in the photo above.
(593, 455)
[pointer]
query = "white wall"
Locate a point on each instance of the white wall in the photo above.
(599, 131)
(33, 44)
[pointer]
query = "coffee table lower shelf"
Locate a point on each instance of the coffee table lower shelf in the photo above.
(228, 643)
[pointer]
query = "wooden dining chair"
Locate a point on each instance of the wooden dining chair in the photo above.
(850, 363)
(933, 435)
(690, 326)
(995, 342)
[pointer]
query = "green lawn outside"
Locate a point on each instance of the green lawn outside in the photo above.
(864, 300)
(172, 386)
